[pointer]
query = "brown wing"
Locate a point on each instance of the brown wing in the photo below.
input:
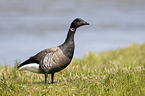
(37, 58)
(54, 61)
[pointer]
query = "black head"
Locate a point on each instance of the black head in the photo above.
(78, 22)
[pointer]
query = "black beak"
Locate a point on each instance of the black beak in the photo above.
(86, 23)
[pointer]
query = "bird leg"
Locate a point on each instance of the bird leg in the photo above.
(46, 75)
(52, 77)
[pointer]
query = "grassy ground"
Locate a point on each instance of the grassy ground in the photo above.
(120, 72)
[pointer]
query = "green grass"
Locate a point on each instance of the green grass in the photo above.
(118, 73)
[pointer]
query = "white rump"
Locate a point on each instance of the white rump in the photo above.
(33, 67)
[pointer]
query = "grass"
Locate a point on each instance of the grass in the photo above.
(118, 73)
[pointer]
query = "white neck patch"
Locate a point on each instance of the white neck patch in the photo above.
(72, 29)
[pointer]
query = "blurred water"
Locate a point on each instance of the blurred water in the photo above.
(29, 26)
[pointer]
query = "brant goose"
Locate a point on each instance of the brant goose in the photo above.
(54, 59)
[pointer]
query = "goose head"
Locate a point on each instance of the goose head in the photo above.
(78, 22)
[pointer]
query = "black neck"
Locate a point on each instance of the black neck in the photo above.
(70, 37)
(68, 46)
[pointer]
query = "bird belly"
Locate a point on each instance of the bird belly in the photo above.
(57, 68)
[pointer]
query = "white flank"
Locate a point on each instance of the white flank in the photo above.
(33, 67)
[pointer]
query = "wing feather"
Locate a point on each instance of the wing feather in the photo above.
(50, 60)
(37, 58)
(54, 62)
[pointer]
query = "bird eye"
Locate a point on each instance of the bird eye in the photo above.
(72, 29)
